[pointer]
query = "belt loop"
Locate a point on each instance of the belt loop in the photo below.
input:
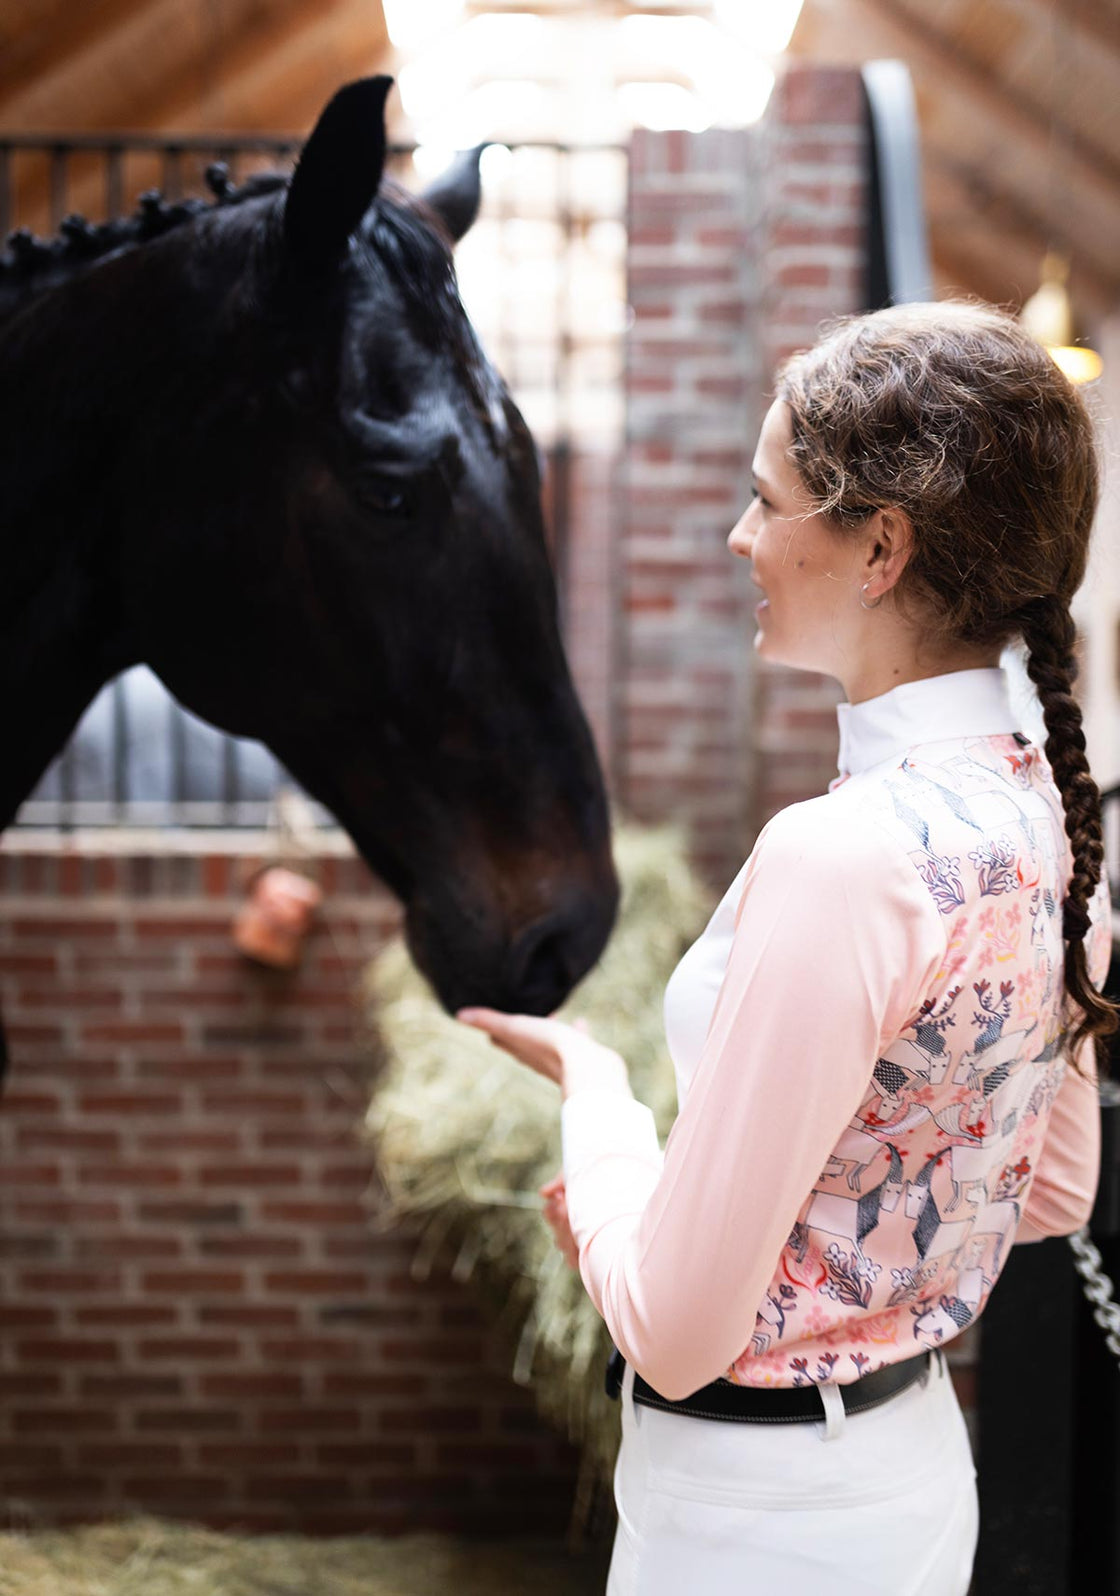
(833, 1411)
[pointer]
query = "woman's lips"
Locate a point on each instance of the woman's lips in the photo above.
(764, 604)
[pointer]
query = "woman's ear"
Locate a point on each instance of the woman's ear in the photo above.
(888, 544)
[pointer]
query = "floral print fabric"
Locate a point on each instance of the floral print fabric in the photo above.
(903, 1236)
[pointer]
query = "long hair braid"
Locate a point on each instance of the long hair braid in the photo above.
(1050, 635)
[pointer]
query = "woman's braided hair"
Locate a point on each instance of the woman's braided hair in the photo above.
(954, 414)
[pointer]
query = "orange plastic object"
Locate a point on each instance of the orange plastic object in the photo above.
(276, 917)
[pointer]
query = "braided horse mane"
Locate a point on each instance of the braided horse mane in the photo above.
(29, 265)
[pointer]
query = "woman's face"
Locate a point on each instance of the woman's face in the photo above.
(808, 572)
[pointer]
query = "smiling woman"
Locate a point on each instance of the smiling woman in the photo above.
(858, 1146)
(808, 566)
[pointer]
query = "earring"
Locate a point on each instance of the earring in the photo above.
(877, 602)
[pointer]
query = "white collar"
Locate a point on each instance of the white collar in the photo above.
(972, 703)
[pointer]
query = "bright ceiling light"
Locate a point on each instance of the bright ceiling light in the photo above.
(428, 87)
(1048, 316)
(764, 25)
(412, 23)
(731, 82)
(497, 32)
(663, 39)
(518, 74)
(1079, 363)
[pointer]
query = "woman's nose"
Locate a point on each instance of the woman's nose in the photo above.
(739, 539)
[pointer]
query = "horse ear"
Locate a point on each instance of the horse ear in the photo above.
(338, 174)
(456, 194)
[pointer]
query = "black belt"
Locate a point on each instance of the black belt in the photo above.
(771, 1404)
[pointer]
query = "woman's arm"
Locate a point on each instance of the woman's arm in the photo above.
(1064, 1187)
(837, 942)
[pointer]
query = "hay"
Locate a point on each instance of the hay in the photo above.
(154, 1557)
(465, 1135)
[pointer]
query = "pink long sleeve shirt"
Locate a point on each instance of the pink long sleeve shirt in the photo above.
(873, 1100)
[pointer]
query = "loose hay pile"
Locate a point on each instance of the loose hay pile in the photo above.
(465, 1135)
(151, 1557)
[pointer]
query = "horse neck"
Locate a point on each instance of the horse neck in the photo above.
(72, 368)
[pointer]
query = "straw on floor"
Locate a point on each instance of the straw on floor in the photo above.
(154, 1557)
(465, 1135)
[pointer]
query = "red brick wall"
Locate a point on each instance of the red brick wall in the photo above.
(196, 1315)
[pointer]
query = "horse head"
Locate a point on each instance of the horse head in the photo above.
(332, 541)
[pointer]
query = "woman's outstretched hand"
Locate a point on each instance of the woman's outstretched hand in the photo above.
(566, 1054)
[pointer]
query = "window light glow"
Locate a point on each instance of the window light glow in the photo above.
(524, 75)
(495, 164)
(432, 159)
(662, 106)
(413, 23)
(763, 25)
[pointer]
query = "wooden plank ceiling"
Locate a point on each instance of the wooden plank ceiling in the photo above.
(1016, 99)
(238, 66)
(1020, 124)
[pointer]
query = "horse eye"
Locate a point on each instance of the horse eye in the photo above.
(298, 389)
(385, 500)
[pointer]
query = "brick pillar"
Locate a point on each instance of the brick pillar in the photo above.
(695, 368)
(811, 148)
(740, 242)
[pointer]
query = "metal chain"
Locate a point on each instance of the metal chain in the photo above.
(1097, 1287)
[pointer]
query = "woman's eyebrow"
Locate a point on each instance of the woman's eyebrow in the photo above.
(761, 480)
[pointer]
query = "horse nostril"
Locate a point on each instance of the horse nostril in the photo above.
(546, 972)
(549, 957)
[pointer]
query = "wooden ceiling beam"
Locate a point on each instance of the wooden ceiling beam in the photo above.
(1028, 116)
(969, 190)
(853, 31)
(34, 46)
(122, 74)
(1098, 17)
(278, 79)
(960, 271)
(161, 68)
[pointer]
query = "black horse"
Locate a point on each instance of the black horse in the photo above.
(254, 443)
